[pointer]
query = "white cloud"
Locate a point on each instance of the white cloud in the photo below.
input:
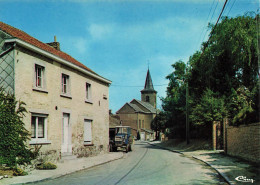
(100, 31)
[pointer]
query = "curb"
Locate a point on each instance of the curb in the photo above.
(67, 173)
(221, 174)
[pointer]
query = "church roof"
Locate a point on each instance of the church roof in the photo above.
(135, 107)
(146, 105)
(148, 83)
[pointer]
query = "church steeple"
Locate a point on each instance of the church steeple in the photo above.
(148, 94)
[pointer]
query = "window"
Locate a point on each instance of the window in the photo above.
(65, 87)
(139, 123)
(87, 132)
(147, 98)
(39, 127)
(142, 123)
(88, 92)
(39, 76)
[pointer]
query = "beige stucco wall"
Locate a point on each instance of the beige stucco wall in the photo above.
(78, 109)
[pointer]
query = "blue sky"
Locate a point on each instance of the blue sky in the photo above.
(116, 38)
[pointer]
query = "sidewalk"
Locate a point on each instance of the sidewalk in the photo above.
(65, 168)
(228, 167)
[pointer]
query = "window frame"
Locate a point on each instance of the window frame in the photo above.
(42, 87)
(67, 85)
(88, 92)
(36, 139)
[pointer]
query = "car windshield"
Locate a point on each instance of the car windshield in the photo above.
(121, 130)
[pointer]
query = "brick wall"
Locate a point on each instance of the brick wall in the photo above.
(244, 141)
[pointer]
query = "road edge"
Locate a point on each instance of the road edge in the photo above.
(67, 173)
(175, 151)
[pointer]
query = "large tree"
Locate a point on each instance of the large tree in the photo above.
(174, 104)
(227, 64)
(223, 79)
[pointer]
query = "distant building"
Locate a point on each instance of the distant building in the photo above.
(139, 114)
(67, 103)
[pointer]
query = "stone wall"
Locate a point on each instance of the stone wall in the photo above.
(244, 141)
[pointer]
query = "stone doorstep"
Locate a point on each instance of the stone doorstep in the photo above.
(67, 156)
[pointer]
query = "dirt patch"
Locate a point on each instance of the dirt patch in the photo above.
(6, 172)
(181, 145)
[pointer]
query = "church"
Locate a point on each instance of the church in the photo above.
(139, 114)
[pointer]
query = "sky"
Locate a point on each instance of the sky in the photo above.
(120, 39)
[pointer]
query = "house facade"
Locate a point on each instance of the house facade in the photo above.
(139, 114)
(67, 103)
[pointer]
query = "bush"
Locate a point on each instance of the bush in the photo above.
(46, 166)
(19, 172)
(13, 135)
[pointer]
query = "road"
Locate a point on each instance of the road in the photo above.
(145, 165)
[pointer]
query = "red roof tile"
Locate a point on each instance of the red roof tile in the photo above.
(29, 39)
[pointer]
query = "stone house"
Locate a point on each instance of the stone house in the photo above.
(67, 103)
(139, 114)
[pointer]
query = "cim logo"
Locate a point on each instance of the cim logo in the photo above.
(244, 179)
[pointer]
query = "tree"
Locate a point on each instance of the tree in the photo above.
(174, 104)
(13, 135)
(229, 62)
(158, 123)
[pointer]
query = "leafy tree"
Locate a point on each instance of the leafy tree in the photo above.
(158, 123)
(174, 104)
(223, 80)
(13, 135)
(229, 62)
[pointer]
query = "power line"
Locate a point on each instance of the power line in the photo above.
(231, 7)
(215, 26)
(206, 21)
(135, 85)
(211, 18)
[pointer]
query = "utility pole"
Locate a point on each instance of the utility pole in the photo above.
(187, 114)
(187, 109)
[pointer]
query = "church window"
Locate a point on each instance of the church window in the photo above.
(147, 99)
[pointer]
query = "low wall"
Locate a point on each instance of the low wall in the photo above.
(244, 141)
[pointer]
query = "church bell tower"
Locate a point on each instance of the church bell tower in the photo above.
(148, 94)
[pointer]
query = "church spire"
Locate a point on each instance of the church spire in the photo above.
(148, 82)
(148, 94)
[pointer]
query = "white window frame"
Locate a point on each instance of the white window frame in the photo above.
(42, 87)
(88, 139)
(88, 91)
(67, 84)
(37, 139)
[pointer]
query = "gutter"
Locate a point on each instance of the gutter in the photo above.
(58, 59)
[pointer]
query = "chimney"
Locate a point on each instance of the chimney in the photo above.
(55, 44)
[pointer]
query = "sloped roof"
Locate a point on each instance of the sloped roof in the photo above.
(146, 105)
(114, 120)
(148, 83)
(16, 33)
(135, 107)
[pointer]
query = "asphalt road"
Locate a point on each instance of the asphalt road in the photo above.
(145, 165)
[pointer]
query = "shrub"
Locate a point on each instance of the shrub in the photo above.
(46, 166)
(13, 135)
(19, 172)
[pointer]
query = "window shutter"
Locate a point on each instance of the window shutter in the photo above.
(87, 131)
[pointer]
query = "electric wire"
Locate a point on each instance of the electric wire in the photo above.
(199, 40)
(211, 18)
(214, 26)
(231, 7)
